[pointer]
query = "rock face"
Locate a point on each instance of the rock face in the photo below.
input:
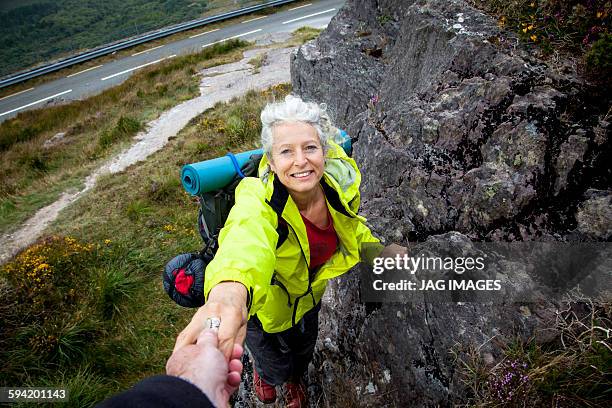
(458, 129)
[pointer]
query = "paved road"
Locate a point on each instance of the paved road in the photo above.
(94, 80)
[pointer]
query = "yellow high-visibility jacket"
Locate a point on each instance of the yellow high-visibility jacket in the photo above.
(273, 268)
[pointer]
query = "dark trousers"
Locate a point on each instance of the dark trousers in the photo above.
(282, 357)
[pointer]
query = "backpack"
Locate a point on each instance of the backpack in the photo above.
(183, 276)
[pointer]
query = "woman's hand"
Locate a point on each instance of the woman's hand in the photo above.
(227, 301)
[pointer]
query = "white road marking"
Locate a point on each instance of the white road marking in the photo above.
(85, 70)
(229, 38)
(308, 16)
(34, 103)
(150, 49)
(16, 93)
(299, 7)
(253, 19)
(135, 68)
(207, 32)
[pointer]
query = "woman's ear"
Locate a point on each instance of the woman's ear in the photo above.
(271, 164)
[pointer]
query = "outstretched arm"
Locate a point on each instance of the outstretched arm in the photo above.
(241, 270)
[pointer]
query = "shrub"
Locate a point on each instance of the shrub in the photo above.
(14, 132)
(571, 27)
(599, 57)
(46, 275)
(34, 159)
(236, 130)
(57, 340)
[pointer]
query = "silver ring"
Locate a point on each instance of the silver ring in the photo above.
(213, 323)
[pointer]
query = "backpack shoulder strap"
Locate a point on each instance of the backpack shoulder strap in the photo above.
(279, 198)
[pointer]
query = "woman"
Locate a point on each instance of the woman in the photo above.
(290, 231)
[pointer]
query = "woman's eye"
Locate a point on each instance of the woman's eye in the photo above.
(285, 151)
(312, 147)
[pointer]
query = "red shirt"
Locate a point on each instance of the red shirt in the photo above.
(322, 242)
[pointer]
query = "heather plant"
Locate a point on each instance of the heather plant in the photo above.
(599, 56)
(570, 369)
(510, 382)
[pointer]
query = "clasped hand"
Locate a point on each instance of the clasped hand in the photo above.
(203, 365)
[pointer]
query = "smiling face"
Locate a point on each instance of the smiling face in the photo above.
(297, 156)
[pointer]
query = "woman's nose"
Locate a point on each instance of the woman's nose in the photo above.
(300, 158)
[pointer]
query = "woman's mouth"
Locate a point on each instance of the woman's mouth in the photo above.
(303, 174)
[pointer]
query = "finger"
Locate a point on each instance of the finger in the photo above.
(237, 352)
(226, 345)
(235, 365)
(230, 325)
(208, 337)
(179, 360)
(233, 380)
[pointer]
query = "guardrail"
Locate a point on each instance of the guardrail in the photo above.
(86, 56)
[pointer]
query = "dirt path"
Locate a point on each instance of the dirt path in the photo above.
(219, 84)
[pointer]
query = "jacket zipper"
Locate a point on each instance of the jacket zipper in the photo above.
(309, 290)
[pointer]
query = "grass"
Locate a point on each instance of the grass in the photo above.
(571, 369)
(302, 35)
(258, 61)
(85, 308)
(15, 208)
(33, 175)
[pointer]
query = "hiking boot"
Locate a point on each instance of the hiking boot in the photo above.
(265, 392)
(295, 395)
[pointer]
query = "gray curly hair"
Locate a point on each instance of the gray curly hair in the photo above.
(294, 109)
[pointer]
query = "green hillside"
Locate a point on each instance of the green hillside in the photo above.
(36, 31)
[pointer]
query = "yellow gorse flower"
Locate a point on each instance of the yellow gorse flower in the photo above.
(33, 270)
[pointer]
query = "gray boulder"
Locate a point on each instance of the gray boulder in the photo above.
(459, 133)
